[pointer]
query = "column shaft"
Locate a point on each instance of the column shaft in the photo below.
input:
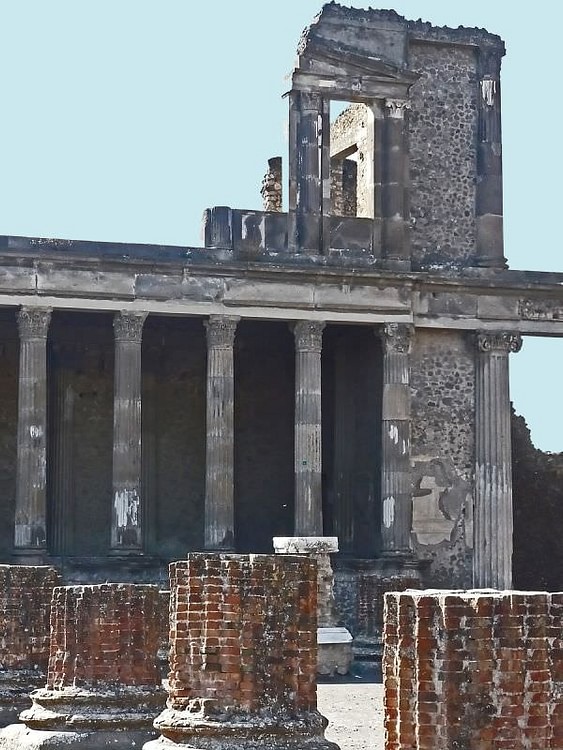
(396, 480)
(127, 511)
(31, 468)
(306, 159)
(394, 199)
(308, 428)
(492, 561)
(219, 470)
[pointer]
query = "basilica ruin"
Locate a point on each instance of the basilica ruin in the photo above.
(339, 368)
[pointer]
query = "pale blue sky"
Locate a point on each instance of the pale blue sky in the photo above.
(123, 119)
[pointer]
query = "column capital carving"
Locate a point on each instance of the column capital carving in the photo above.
(503, 342)
(221, 330)
(396, 337)
(33, 322)
(128, 326)
(396, 108)
(309, 335)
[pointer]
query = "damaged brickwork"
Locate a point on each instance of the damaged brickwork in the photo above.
(25, 606)
(473, 669)
(243, 654)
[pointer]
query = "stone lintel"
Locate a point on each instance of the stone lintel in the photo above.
(305, 545)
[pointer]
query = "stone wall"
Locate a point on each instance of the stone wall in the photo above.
(473, 669)
(537, 488)
(443, 445)
(443, 137)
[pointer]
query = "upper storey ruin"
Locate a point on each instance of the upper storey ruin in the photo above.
(408, 178)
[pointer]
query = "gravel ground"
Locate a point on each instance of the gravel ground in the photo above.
(354, 709)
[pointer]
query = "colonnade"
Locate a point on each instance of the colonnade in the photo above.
(493, 511)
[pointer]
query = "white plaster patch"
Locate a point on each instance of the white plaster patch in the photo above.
(428, 522)
(388, 511)
(35, 431)
(126, 505)
(394, 434)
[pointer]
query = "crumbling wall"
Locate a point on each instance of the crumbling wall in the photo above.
(443, 166)
(473, 669)
(537, 490)
(352, 132)
(443, 449)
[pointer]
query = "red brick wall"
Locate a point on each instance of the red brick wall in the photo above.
(105, 634)
(243, 633)
(25, 603)
(473, 670)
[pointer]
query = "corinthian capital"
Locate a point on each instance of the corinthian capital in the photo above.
(33, 322)
(503, 342)
(221, 330)
(396, 108)
(128, 326)
(396, 337)
(309, 335)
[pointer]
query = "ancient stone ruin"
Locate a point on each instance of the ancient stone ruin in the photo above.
(473, 669)
(335, 365)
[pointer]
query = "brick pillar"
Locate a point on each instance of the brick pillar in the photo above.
(492, 557)
(473, 669)
(103, 683)
(308, 427)
(127, 511)
(30, 541)
(25, 604)
(219, 460)
(334, 643)
(242, 655)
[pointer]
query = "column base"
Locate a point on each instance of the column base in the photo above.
(19, 737)
(334, 651)
(15, 687)
(30, 556)
(240, 732)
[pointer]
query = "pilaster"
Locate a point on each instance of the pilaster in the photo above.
(492, 561)
(31, 462)
(219, 470)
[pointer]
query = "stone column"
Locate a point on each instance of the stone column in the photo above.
(395, 194)
(306, 117)
(127, 520)
(242, 655)
(219, 469)
(396, 495)
(31, 462)
(492, 559)
(103, 686)
(488, 209)
(308, 457)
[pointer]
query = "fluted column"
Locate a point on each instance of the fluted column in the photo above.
(31, 463)
(492, 560)
(396, 492)
(127, 511)
(394, 187)
(308, 458)
(219, 469)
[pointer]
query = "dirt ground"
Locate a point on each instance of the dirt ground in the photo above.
(354, 709)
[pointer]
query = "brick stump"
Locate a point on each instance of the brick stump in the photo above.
(25, 604)
(242, 655)
(473, 669)
(334, 643)
(103, 684)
